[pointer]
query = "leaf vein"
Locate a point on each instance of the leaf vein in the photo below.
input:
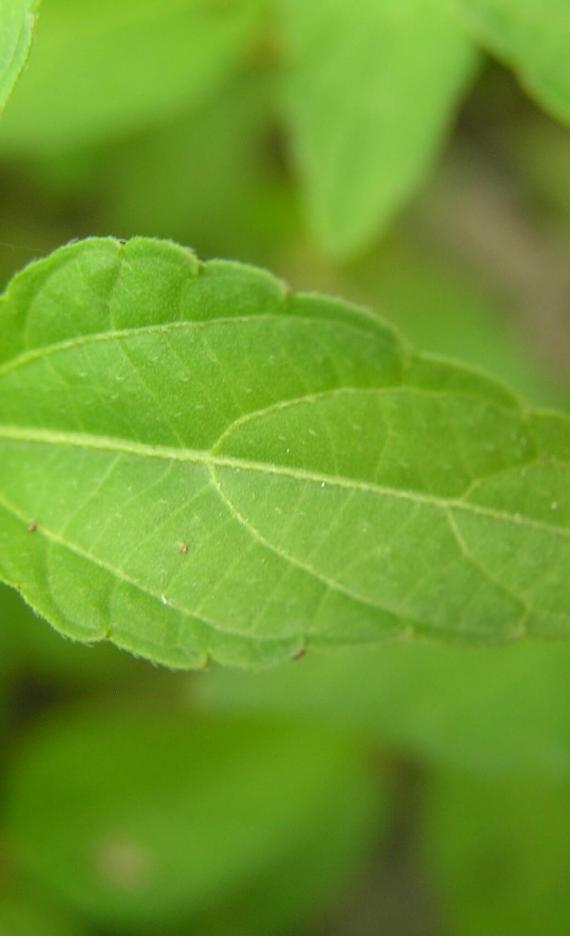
(209, 458)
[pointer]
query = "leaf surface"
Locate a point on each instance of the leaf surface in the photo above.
(369, 91)
(16, 27)
(533, 37)
(196, 463)
(102, 69)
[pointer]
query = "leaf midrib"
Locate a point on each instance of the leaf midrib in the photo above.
(212, 460)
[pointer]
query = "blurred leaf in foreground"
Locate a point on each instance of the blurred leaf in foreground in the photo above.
(500, 855)
(167, 816)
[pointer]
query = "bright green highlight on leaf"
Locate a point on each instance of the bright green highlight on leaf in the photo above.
(103, 69)
(143, 818)
(533, 37)
(370, 88)
(196, 464)
(16, 26)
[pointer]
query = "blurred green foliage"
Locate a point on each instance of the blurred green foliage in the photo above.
(531, 36)
(493, 710)
(281, 802)
(166, 814)
(104, 68)
(24, 916)
(363, 136)
(16, 26)
(499, 853)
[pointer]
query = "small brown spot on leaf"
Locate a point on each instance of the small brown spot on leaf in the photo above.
(300, 654)
(183, 548)
(32, 526)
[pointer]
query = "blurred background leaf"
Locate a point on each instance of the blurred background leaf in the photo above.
(532, 36)
(166, 815)
(104, 68)
(231, 201)
(363, 138)
(499, 853)
(491, 710)
(16, 25)
(29, 648)
(23, 915)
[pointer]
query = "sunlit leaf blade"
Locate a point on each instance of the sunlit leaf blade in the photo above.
(167, 815)
(16, 26)
(533, 37)
(369, 92)
(195, 463)
(102, 69)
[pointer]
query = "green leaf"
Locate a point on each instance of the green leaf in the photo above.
(370, 89)
(16, 26)
(195, 463)
(499, 855)
(103, 69)
(533, 37)
(492, 710)
(167, 816)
